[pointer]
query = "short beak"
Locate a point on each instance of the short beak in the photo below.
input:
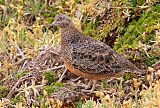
(54, 23)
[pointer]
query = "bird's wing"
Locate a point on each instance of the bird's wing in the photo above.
(96, 57)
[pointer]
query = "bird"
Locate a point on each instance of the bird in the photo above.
(89, 58)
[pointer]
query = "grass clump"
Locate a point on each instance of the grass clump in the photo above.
(18, 99)
(21, 74)
(49, 76)
(53, 87)
(3, 91)
(141, 30)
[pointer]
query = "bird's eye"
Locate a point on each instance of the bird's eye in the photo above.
(60, 18)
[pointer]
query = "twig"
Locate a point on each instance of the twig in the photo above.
(24, 65)
(74, 80)
(146, 53)
(21, 53)
(62, 76)
(16, 84)
(142, 7)
(21, 60)
(21, 90)
(6, 78)
(54, 68)
(156, 63)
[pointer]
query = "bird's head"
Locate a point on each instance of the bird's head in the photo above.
(62, 21)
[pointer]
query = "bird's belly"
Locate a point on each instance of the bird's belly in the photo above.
(92, 76)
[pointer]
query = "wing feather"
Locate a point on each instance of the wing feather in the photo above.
(94, 58)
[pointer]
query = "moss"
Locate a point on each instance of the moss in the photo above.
(79, 104)
(21, 74)
(40, 97)
(113, 20)
(152, 60)
(3, 91)
(17, 99)
(53, 87)
(89, 104)
(90, 28)
(128, 76)
(50, 20)
(50, 14)
(141, 30)
(50, 76)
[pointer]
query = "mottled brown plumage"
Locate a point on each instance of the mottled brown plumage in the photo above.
(90, 58)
